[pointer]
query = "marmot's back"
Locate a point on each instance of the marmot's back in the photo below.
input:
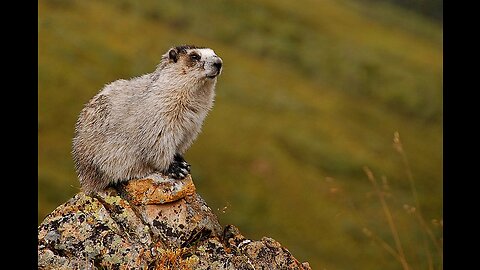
(133, 128)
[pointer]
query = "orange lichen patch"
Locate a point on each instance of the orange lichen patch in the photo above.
(177, 259)
(158, 190)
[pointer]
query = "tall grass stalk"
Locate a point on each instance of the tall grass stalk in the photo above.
(397, 144)
(383, 244)
(388, 215)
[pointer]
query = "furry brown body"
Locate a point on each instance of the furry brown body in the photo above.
(133, 128)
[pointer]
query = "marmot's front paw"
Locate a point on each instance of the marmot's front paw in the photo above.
(178, 169)
(182, 163)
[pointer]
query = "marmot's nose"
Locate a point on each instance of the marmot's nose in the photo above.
(218, 64)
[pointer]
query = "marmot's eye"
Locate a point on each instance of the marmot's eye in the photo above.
(194, 56)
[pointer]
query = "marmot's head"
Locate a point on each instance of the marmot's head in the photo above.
(199, 62)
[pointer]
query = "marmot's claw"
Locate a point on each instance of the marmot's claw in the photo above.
(177, 175)
(181, 162)
(184, 165)
(178, 170)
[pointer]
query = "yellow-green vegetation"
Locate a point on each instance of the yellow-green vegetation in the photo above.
(311, 94)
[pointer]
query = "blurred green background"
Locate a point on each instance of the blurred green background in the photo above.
(311, 92)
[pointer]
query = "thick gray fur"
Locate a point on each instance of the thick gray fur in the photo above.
(133, 128)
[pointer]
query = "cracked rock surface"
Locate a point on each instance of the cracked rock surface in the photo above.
(154, 223)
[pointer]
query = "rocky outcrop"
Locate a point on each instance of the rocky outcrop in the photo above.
(153, 223)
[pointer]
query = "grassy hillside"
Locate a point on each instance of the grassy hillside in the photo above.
(312, 91)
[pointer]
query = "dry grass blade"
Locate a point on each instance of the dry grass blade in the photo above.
(397, 144)
(388, 215)
(382, 243)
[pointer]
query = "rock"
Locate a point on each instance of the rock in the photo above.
(153, 223)
(158, 190)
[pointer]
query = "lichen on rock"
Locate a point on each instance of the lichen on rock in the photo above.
(154, 223)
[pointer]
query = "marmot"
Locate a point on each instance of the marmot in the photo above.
(133, 128)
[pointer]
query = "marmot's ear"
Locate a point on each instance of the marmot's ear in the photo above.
(173, 55)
